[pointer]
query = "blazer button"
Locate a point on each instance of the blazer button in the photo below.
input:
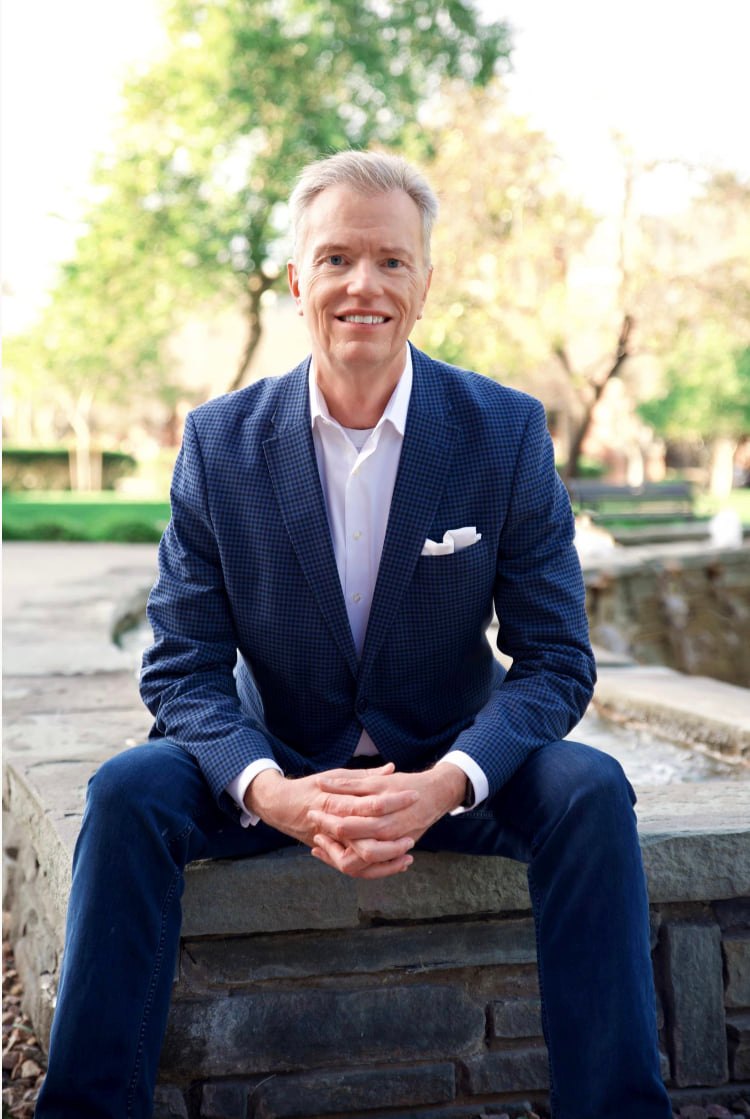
(361, 706)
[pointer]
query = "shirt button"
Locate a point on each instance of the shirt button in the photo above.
(356, 536)
(356, 597)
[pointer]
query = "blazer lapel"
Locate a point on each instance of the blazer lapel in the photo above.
(423, 469)
(290, 456)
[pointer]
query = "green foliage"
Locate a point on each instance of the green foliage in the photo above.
(695, 293)
(706, 391)
(251, 91)
(190, 205)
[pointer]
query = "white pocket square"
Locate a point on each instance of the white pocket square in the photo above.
(454, 540)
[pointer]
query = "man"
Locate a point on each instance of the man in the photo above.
(346, 529)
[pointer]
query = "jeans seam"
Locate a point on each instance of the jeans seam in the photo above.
(154, 976)
(536, 906)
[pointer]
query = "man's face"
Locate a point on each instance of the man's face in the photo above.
(360, 278)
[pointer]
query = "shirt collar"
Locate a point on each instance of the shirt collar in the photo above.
(395, 410)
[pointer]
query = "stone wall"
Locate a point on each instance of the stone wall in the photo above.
(688, 609)
(300, 992)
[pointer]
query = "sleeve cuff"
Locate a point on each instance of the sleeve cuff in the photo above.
(239, 786)
(476, 776)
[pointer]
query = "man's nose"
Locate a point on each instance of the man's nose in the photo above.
(364, 278)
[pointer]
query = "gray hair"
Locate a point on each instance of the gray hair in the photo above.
(368, 173)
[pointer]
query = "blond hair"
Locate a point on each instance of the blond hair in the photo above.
(368, 173)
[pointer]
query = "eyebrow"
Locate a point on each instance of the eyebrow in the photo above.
(329, 248)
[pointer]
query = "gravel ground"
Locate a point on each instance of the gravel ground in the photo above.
(23, 1060)
(24, 1064)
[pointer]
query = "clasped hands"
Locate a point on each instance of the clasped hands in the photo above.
(363, 823)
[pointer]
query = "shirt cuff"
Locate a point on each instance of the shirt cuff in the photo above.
(476, 776)
(239, 786)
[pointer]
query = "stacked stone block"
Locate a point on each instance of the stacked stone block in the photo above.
(303, 993)
(421, 998)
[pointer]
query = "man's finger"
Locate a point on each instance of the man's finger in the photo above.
(357, 782)
(346, 860)
(381, 850)
(371, 806)
(393, 826)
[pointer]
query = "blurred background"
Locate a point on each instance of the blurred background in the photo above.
(593, 248)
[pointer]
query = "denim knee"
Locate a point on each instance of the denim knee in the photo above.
(602, 775)
(122, 782)
(150, 784)
(579, 783)
(600, 792)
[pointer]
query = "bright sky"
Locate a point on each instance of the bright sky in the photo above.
(670, 74)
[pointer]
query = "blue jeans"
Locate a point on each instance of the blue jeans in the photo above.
(567, 813)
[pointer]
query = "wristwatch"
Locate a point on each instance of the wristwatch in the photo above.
(468, 801)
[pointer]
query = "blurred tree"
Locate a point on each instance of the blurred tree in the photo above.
(695, 291)
(191, 204)
(706, 396)
(514, 293)
(507, 233)
(503, 298)
(100, 340)
(250, 91)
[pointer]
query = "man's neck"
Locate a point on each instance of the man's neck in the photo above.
(357, 396)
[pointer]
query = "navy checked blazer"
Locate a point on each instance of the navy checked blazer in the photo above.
(253, 655)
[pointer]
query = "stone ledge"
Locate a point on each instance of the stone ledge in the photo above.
(695, 841)
(695, 710)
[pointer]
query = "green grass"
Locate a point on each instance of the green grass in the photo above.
(107, 516)
(739, 500)
(74, 516)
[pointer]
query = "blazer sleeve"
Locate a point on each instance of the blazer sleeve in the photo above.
(187, 675)
(540, 604)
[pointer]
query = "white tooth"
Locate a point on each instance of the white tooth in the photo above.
(369, 320)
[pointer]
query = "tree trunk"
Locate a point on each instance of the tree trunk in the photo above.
(82, 475)
(581, 431)
(79, 413)
(722, 467)
(256, 287)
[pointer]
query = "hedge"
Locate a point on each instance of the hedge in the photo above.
(48, 468)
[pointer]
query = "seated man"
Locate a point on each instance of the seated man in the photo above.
(347, 528)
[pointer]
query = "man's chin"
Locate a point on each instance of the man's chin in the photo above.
(369, 351)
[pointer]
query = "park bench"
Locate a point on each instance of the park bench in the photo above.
(652, 501)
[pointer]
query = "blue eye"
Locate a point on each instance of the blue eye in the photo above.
(392, 262)
(335, 258)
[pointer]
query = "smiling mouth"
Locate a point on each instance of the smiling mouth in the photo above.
(365, 320)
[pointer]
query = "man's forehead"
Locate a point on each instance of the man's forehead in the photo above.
(341, 214)
(343, 199)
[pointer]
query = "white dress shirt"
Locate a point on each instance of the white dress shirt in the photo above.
(357, 470)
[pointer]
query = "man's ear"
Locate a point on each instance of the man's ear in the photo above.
(293, 278)
(426, 289)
